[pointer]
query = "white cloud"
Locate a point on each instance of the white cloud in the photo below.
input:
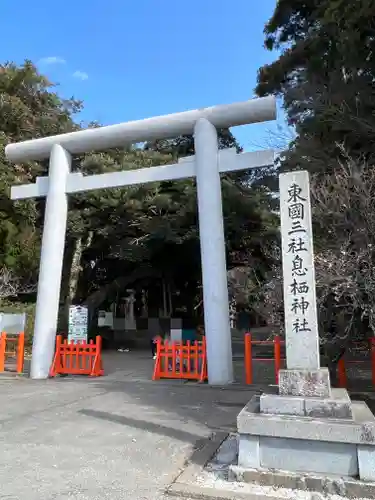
(52, 60)
(81, 75)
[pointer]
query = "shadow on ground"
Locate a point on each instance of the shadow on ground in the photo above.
(143, 425)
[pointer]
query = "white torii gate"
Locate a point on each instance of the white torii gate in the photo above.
(206, 165)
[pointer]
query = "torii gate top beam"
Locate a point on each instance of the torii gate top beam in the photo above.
(160, 127)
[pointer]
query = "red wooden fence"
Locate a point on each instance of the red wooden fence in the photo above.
(17, 341)
(177, 360)
(249, 342)
(77, 359)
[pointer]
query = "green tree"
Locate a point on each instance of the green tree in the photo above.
(184, 144)
(325, 75)
(28, 108)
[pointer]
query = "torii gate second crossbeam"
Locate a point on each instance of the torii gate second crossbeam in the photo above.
(206, 166)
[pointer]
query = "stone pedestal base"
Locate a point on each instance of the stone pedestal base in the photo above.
(305, 383)
(328, 435)
(316, 483)
(338, 405)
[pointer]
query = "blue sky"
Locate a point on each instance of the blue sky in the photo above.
(131, 59)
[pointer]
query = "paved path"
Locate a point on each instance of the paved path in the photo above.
(117, 437)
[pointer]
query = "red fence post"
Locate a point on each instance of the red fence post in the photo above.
(248, 360)
(157, 366)
(20, 352)
(373, 360)
(341, 373)
(204, 374)
(277, 351)
(95, 363)
(3, 341)
(56, 363)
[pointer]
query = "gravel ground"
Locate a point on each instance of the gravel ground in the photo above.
(211, 480)
(215, 475)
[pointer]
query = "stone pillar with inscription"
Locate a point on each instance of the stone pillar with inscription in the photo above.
(303, 425)
(303, 376)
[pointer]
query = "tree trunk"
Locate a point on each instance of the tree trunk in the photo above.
(170, 305)
(336, 345)
(144, 312)
(233, 312)
(79, 246)
(165, 306)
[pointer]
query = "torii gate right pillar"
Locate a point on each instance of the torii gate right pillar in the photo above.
(212, 242)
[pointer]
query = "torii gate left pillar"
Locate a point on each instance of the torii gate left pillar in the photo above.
(51, 262)
(206, 166)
